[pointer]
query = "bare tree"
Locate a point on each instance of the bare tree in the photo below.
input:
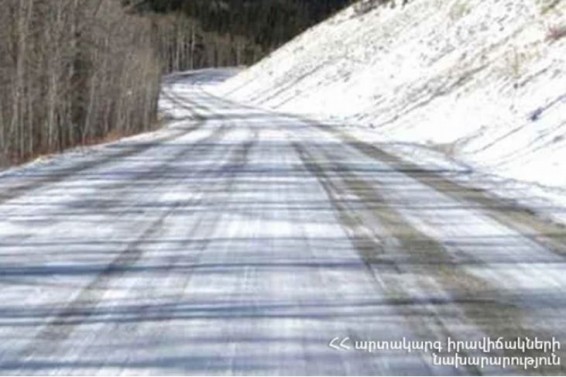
(71, 72)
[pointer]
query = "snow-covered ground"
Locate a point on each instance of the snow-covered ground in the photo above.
(237, 241)
(479, 85)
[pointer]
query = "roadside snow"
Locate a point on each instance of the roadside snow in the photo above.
(479, 83)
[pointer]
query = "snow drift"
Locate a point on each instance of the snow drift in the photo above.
(483, 81)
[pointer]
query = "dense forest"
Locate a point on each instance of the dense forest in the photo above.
(75, 72)
(204, 33)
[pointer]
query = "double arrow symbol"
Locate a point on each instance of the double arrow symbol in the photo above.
(340, 345)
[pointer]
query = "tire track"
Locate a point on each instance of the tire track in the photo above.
(400, 250)
(226, 174)
(550, 235)
(80, 308)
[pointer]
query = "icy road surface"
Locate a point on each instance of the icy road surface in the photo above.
(239, 241)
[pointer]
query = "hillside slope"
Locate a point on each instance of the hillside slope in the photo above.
(483, 81)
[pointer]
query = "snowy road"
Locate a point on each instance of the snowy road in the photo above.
(239, 241)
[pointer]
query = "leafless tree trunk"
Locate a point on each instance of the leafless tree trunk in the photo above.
(73, 71)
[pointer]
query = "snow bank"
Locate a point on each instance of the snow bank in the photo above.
(483, 81)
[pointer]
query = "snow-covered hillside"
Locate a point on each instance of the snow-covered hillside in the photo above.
(483, 81)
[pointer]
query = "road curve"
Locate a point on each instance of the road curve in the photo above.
(242, 241)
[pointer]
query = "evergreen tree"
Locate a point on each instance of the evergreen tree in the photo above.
(228, 32)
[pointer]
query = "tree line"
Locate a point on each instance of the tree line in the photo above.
(73, 72)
